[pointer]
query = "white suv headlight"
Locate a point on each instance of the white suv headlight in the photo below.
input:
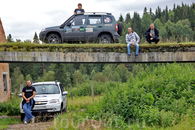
(43, 30)
(54, 101)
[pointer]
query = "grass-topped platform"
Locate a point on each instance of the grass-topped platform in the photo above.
(162, 47)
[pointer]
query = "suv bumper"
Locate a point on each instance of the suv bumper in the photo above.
(116, 38)
(46, 109)
(42, 36)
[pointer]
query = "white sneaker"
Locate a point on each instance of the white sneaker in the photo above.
(25, 122)
(33, 120)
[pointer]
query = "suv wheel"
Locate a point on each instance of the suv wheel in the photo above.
(22, 115)
(104, 38)
(53, 38)
(61, 110)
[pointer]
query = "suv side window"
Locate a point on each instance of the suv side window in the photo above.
(61, 87)
(107, 20)
(78, 20)
(94, 20)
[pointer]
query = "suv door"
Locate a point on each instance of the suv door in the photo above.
(63, 96)
(75, 29)
(94, 26)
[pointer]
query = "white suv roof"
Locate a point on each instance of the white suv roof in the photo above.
(48, 82)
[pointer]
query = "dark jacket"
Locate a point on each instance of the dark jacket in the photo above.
(24, 101)
(155, 30)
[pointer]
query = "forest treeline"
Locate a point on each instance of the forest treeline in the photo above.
(174, 25)
(70, 75)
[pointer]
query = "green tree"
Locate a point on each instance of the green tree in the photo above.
(93, 73)
(28, 77)
(9, 38)
(82, 69)
(166, 14)
(18, 41)
(152, 15)
(36, 39)
(162, 29)
(136, 24)
(78, 78)
(121, 19)
(16, 78)
(146, 21)
(62, 74)
(27, 41)
(128, 18)
(47, 76)
(145, 11)
(171, 15)
(99, 77)
(123, 72)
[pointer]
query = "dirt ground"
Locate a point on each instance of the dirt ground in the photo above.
(35, 126)
(45, 124)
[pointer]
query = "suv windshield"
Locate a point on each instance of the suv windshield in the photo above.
(46, 89)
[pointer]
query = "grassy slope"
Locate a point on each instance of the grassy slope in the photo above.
(89, 47)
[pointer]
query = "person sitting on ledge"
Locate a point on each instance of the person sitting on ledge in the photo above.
(131, 40)
(152, 34)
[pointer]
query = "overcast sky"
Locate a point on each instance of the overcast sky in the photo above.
(22, 18)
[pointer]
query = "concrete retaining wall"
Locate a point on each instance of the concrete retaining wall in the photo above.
(89, 57)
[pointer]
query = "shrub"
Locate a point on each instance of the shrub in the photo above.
(11, 107)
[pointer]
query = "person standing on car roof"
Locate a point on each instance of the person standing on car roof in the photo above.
(28, 93)
(131, 40)
(152, 34)
(79, 10)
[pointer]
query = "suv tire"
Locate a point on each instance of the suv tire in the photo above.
(53, 38)
(104, 38)
(120, 28)
(22, 115)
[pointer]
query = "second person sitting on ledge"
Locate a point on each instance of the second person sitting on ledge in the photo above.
(131, 40)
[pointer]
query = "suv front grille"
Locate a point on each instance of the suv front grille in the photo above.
(40, 102)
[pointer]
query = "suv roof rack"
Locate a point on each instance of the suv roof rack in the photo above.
(98, 13)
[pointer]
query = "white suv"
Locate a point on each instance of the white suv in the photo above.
(50, 98)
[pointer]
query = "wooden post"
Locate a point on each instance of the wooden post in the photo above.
(71, 96)
(92, 91)
(21, 86)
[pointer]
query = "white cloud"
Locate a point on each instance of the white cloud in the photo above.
(22, 18)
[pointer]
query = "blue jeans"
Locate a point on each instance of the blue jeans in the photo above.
(137, 48)
(27, 109)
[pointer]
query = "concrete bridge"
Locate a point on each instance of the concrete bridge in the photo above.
(94, 53)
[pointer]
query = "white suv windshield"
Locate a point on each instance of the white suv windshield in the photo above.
(47, 89)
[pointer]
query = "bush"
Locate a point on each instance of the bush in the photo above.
(157, 95)
(11, 107)
(99, 88)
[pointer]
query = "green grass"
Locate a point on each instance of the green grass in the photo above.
(92, 47)
(8, 121)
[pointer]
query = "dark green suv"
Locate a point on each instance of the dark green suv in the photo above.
(88, 27)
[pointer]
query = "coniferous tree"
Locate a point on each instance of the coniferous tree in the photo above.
(9, 38)
(128, 18)
(145, 10)
(36, 39)
(166, 14)
(121, 19)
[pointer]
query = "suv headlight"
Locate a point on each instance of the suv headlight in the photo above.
(43, 30)
(54, 101)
